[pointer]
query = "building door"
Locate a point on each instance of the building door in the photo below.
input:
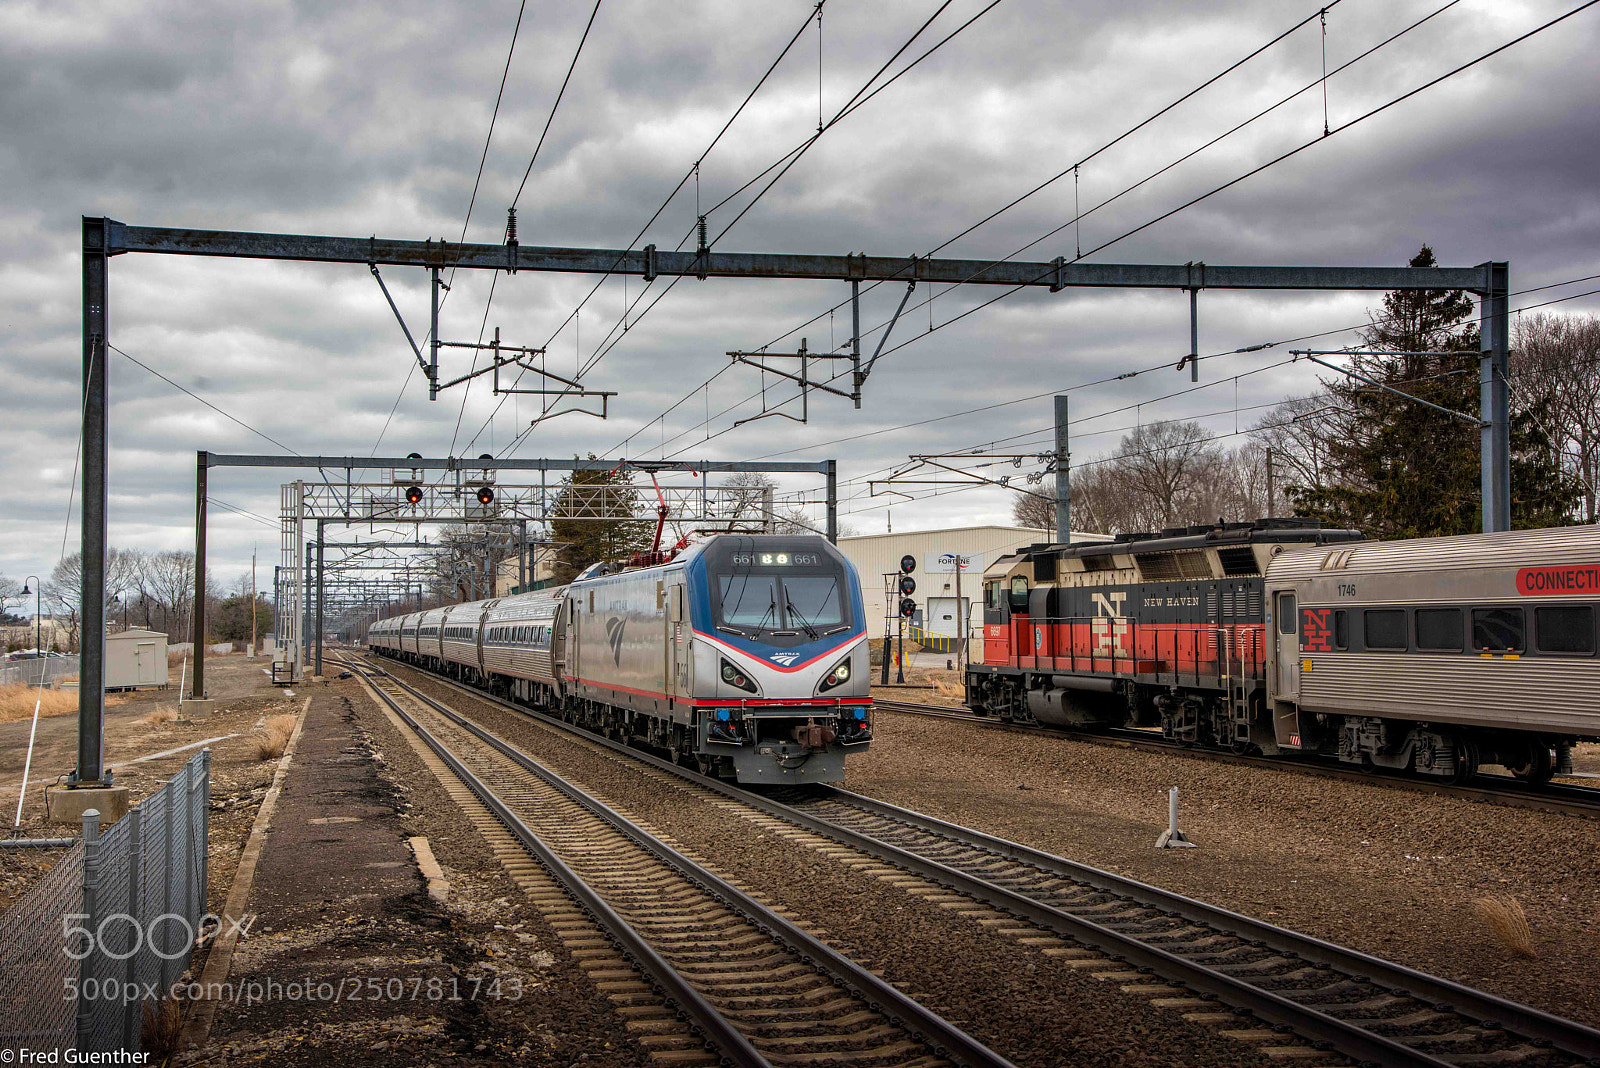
(1287, 623)
(144, 659)
(942, 618)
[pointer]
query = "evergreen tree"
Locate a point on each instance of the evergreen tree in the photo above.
(596, 517)
(1398, 469)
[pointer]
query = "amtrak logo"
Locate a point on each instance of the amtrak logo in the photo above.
(614, 627)
(785, 659)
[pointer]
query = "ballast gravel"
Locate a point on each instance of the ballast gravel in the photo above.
(1030, 1007)
(1388, 872)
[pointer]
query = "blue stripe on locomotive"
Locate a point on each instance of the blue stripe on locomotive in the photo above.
(700, 618)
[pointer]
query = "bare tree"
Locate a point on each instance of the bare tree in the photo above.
(1037, 510)
(1556, 371)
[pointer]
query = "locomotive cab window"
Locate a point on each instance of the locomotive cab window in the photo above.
(1287, 620)
(1384, 628)
(1565, 629)
(1439, 629)
(1019, 592)
(1497, 630)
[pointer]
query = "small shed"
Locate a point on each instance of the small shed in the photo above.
(136, 658)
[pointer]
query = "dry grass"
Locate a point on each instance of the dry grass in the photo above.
(1502, 914)
(174, 659)
(16, 702)
(160, 716)
(161, 1026)
(948, 689)
(274, 737)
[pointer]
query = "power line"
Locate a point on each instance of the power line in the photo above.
(1257, 170)
(562, 92)
(692, 172)
(471, 202)
(1072, 169)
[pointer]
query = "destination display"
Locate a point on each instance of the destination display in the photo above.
(777, 559)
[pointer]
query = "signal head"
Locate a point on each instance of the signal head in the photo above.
(908, 607)
(485, 495)
(908, 585)
(413, 494)
(908, 564)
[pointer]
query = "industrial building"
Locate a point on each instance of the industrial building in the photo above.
(946, 594)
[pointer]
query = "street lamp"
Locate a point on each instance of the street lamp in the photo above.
(38, 602)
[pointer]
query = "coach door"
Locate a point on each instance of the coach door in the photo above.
(677, 656)
(1286, 624)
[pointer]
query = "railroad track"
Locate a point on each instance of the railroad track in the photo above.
(1564, 798)
(1255, 980)
(752, 988)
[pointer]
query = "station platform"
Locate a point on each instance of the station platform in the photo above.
(347, 953)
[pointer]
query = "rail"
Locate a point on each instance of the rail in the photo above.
(1233, 958)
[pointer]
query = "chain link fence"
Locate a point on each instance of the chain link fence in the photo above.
(29, 672)
(109, 929)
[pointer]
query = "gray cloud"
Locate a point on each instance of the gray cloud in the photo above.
(365, 118)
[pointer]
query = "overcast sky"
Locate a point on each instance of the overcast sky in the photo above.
(366, 118)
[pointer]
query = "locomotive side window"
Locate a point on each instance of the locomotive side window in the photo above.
(1567, 629)
(1439, 629)
(1497, 630)
(1287, 620)
(1341, 629)
(1384, 628)
(991, 594)
(1019, 593)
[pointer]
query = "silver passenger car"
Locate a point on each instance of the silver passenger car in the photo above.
(1438, 653)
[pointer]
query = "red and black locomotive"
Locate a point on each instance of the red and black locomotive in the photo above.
(1432, 655)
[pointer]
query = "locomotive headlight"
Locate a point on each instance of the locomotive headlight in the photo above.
(734, 677)
(838, 676)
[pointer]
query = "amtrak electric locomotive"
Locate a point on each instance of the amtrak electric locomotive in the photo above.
(745, 655)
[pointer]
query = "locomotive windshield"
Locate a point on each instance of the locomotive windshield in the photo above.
(779, 590)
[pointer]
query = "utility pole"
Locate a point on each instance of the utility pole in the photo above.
(1271, 498)
(1063, 475)
(252, 655)
(961, 616)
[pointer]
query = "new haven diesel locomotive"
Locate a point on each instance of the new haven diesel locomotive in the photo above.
(1432, 656)
(745, 655)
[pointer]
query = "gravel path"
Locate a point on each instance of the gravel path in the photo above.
(1388, 872)
(1031, 1007)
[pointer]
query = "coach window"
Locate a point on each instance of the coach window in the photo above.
(1286, 617)
(1567, 629)
(1497, 630)
(1341, 629)
(1384, 628)
(1439, 629)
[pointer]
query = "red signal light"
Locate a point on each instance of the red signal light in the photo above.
(413, 494)
(485, 495)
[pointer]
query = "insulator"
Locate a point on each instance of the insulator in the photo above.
(701, 226)
(511, 226)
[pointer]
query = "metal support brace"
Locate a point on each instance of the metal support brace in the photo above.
(322, 537)
(856, 377)
(1194, 335)
(431, 372)
(92, 642)
(1063, 475)
(889, 329)
(1493, 400)
(649, 263)
(198, 690)
(833, 501)
(433, 344)
(1060, 263)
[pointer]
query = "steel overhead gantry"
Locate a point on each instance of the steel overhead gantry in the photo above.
(353, 509)
(104, 238)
